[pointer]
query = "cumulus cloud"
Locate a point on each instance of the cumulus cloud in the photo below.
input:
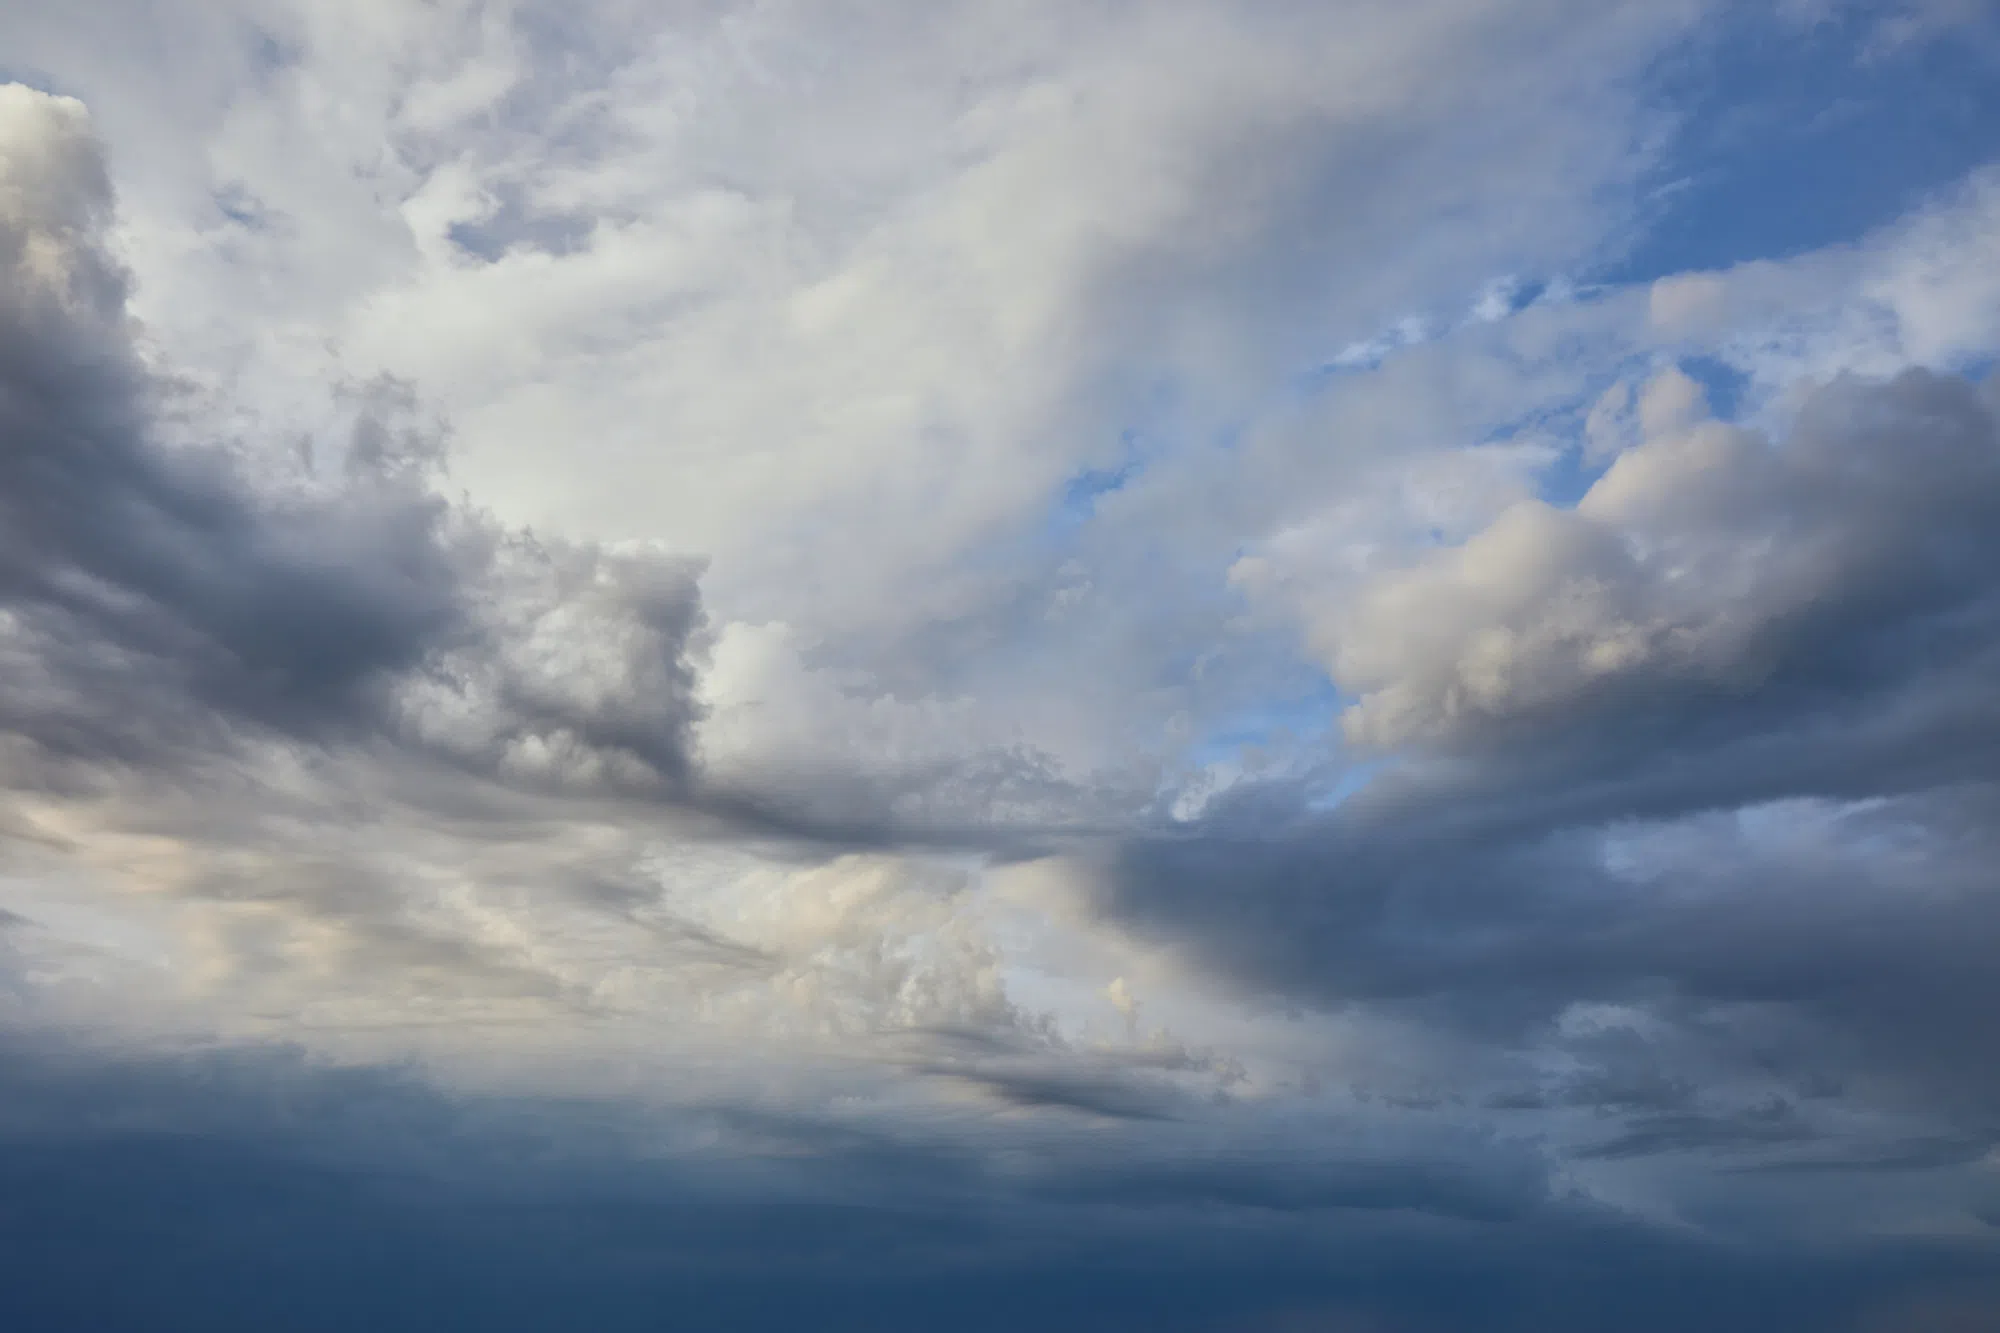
(886, 345)
(1707, 561)
(354, 600)
(354, 754)
(1680, 798)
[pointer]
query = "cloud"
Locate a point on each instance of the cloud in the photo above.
(957, 762)
(352, 600)
(1917, 291)
(1705, 566)
(1680, 796)
(255, 1187)
(885, 344)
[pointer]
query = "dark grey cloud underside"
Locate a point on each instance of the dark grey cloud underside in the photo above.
(1470, 885)
(252, 1191)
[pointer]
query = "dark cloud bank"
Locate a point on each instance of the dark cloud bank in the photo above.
(1770, 668)
(253, 1191)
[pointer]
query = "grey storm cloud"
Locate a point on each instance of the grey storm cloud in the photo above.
(159, 593)
(366, 1198)
(1721, 743)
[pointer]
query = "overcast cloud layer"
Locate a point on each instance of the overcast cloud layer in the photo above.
(1263, 667)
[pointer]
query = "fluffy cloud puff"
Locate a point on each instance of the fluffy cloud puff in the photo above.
(1707, 563)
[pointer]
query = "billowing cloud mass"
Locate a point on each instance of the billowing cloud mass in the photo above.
(1256, 667)
(348, 597)
(1707, 565)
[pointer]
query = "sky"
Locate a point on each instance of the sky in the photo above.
(1255, 667)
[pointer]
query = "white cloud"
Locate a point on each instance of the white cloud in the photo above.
(840, 301)
(1706, 555)
(1918, 292)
